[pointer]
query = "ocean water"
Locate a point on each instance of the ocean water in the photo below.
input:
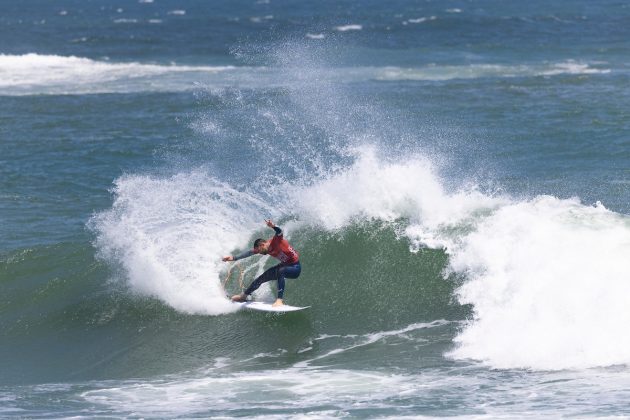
(454, 174)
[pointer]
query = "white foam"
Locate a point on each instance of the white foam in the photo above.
(299, 393)
(476, 71)
(8, 403)
(346, 28)
(573, 67)
(372, 189)
(315, 36)
(179, 12)
(420, 20)
(258, 19)
(51, 74)
(371, 338)
(287, 389)
(548, 279)
(168, 236)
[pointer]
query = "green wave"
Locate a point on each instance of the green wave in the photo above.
(64, 319)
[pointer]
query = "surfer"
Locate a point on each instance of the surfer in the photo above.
(279, 248)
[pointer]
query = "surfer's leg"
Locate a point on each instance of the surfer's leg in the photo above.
(290, 271)
(270, 274)
(281, 275)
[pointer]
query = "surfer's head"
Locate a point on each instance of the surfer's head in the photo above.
(261, 246)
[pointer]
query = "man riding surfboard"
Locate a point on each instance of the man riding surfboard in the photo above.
(279, 248)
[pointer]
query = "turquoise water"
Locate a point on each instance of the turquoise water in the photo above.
(454, 175)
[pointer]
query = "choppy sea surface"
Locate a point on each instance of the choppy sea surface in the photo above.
(454, 174)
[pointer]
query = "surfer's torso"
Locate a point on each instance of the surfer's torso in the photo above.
(281, 249)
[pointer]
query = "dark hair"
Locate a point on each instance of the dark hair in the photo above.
(258, 242)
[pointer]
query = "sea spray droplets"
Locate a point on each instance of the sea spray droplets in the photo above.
(168, 236)
(373, 189)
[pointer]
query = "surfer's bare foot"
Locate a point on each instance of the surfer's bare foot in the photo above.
(278, 302)
(239, 298)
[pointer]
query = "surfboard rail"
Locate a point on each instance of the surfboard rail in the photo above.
(268, 307)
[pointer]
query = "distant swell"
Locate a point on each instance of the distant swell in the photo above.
(34, 74)
(476, 71)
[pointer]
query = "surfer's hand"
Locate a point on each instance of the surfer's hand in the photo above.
(270, 223)
(228, 258)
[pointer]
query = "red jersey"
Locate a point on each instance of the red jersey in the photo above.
(281, 249)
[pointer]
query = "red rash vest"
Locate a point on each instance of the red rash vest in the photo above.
(281, 249)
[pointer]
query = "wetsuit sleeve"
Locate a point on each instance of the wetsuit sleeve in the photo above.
(244, 255)
(278, 231)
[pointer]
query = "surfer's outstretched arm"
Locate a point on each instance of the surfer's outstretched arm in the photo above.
(239, 256)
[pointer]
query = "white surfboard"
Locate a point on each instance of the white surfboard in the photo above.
(268, 307)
